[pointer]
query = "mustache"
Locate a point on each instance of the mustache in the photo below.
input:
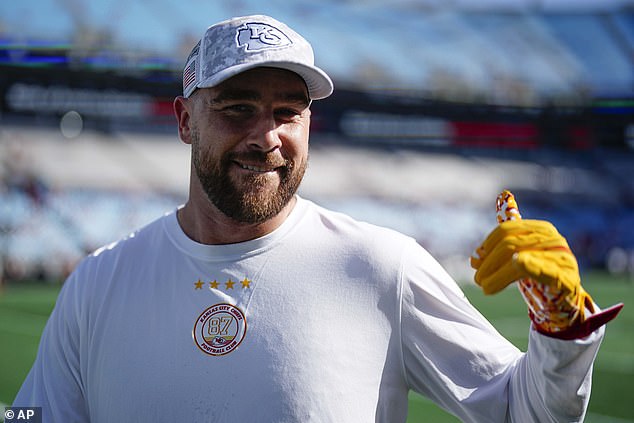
(258, 157)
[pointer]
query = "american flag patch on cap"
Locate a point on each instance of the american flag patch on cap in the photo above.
(189, 74)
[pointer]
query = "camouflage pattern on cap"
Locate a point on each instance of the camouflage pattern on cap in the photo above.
(236, 45)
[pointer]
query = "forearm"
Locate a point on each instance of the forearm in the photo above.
(552, 382)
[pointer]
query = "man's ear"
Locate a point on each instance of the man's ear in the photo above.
(182, 108)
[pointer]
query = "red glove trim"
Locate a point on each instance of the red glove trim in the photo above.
(585, 328)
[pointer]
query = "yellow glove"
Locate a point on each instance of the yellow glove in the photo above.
(536, 255)
(525, 248)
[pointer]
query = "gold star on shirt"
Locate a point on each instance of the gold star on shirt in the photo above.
(213, 284)
(246, 283)
(229, 284)
(199, 284)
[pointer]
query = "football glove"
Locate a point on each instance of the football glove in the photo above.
(537, 256)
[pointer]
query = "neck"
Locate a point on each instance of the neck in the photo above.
(206, 224)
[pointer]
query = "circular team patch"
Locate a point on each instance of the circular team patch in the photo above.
(219, 329)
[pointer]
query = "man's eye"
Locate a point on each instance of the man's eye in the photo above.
(239, 109)
(287, 113)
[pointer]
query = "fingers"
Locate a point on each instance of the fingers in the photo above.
(535, 264)
(552, 267)
(524, 249)
(495, 281)
(517, 228)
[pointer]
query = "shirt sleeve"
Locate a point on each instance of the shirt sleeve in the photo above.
(54, 382)
(455, 357)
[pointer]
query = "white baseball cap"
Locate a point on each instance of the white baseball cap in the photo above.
(238, 44)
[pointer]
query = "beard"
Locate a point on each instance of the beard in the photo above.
(253, 198)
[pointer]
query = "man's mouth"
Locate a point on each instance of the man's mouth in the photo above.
(258, 168)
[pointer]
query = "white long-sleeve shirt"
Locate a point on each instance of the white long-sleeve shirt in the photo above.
(326, 319)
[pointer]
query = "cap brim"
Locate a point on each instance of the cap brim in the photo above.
(317, 81)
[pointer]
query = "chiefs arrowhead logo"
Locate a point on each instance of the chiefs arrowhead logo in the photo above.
(254, 36)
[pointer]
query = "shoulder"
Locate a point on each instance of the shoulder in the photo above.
(125, 251)
(137, 238)
(342, 222)
(353, 235)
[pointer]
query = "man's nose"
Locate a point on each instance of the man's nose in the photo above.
(265, 135)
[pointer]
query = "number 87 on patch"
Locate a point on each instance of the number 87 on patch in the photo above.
(219, 329)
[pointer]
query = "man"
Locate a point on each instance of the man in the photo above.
(251, 304)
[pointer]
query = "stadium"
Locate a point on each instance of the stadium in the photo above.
(435, 111)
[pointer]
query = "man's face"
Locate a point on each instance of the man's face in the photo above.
(249, 140)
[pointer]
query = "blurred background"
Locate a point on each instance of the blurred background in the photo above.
(438, 106)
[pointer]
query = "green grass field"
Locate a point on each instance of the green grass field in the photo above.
(24, 309)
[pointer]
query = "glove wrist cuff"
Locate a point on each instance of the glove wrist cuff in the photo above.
(581, 328)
